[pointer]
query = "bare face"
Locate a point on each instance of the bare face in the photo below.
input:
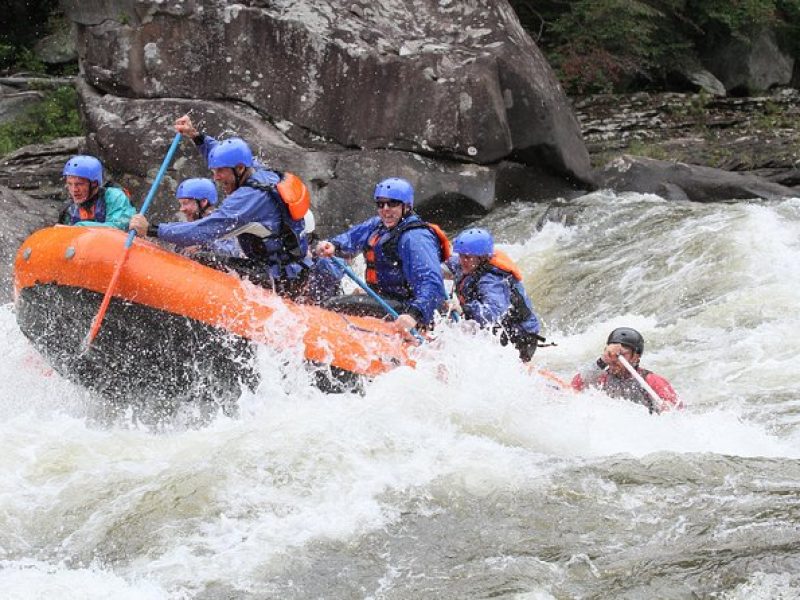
(226, 177)
(390, 211)
(469, 262)
(615, 367)
(190, 208)
(79, 189)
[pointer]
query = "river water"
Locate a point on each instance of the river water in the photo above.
(467, 477)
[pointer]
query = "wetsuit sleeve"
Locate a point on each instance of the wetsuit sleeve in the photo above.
(664, 390)
(453, 265)
(590, 375)
(229, 247)
(354, 241)
(119, 209)
(207, 145)
(244, 206)
(422, 268)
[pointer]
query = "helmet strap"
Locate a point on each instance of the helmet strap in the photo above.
(93, 188)
(202, 208)
(239, 177)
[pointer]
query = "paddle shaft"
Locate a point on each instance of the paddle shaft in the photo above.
(454, 316)
(363, 285)
(112, 285)
(656, 399)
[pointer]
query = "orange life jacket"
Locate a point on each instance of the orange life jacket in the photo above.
(503, 261)
(292, 192)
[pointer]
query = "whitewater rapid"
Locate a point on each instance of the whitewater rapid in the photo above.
(468, 476)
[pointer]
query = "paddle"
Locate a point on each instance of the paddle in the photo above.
(363, 285)
(656, 399)
(451, 313)
(101, 313)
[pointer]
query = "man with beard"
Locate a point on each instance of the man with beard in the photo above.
(273, 242)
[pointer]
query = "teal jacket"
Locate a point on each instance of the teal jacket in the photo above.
(112, 208)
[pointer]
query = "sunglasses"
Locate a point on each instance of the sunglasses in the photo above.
(390, 203)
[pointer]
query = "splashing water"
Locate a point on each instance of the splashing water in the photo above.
(468, 476)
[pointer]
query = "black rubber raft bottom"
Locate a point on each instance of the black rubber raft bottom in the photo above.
(145, 355)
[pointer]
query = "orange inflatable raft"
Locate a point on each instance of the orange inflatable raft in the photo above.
(176, 328)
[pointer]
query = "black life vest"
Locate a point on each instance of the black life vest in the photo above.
(467, 290)
(628, 388)
(288, 245)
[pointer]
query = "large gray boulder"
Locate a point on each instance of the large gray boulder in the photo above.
(58, 48)
(24, 216)
(681, 181)
(747, 67)
(132, 136)
(15, 104)
(460, 81)
(36, 169)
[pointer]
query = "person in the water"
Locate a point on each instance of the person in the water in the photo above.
(610, 375)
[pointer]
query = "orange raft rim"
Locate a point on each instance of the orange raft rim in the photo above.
(84, 258)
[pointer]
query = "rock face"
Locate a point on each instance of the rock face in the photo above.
(746, 68)
(58, 48)
(458, 83)
(680, 181)
(36, 170)
(28, 215)
(758, 135)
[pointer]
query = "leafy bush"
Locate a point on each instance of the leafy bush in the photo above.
(56, 116)
(605, 42)
(613, 45)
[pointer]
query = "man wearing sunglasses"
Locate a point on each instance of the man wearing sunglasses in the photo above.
(403, 254)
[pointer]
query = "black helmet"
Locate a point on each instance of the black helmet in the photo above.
(627, 337)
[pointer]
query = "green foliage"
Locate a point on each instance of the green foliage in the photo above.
(22, 24)
(605, 41)
(733, 18)
(640, 147)
(56, 116)
(614, 45)
(20, 59)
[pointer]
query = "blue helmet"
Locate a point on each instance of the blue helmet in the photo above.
(627, 337)
(395, 188)
(197, 189)
(474, 242)
(230, 153)
(84, 166)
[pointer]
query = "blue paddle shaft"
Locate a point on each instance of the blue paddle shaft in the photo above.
(156, 182)
(363, 285)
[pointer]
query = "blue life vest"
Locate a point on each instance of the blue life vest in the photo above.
(384, 267)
